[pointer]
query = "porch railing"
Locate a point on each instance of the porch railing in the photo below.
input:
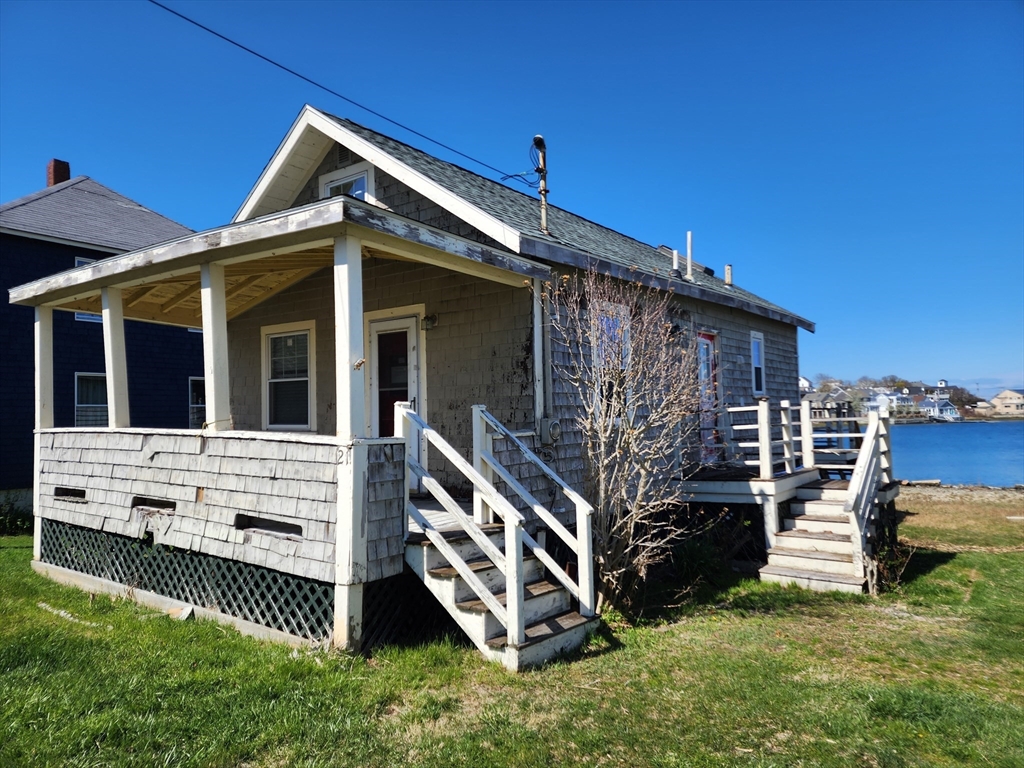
(409, 425)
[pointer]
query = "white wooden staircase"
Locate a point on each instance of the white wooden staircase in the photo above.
(498, 581)
(814, 549)
(828, 538)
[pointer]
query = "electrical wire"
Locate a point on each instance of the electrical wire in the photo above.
(353, 102)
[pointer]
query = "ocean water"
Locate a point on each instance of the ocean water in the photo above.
(967, 453)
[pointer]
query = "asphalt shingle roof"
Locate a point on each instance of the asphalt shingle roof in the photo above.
(521, 212)
(84, 211)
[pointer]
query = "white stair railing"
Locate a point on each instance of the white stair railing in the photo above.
(862, 495)
(511, 615)
(581, 544)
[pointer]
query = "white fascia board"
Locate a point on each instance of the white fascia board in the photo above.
(313, 118)
(248, 239)
(281, 156)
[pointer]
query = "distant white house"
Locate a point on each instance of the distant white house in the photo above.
(942, 410)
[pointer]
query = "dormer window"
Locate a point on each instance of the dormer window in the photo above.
(353, 180)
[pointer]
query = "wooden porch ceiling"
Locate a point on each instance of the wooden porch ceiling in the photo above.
(176, 300)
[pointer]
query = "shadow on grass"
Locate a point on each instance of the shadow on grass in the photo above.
(922, 563)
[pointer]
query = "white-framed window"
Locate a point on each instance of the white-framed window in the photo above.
(610, 332)
(757, 362)
(90, 400)
(354, 180)
(289, 376)
(86, 317)
(196, 402)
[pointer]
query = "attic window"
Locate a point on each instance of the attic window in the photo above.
(353, 180)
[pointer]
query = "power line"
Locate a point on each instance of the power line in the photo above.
(322, 87)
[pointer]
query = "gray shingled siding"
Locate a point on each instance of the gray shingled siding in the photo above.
(394, 196)
(480, 351)
(312, 299)
(210, 479)
(385, 510)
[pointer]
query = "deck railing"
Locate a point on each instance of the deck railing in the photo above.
(767, 436)
(511, 615)
(759, 438)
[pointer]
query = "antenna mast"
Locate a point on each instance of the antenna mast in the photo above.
(542, 171)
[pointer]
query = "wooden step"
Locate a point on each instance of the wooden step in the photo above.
(533, 589)
(546, 629)
(815, 541)
(476, 565)
(819, 581)
(452, 536)
(828, 562)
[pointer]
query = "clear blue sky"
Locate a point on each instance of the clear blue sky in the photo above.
(861, 164)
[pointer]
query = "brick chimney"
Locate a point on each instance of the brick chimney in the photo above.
(57, 171)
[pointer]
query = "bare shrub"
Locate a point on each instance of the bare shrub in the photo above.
(630, 360)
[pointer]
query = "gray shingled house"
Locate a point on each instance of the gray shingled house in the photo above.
(369, 327)
(70, 222)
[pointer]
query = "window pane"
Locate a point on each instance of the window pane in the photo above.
(355, 187)
(289, 356)
(758, 380)
(92, 390)
(289, 402)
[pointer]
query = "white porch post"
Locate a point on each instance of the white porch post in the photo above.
(215, 347)
(349, 360)
(44, 410)
(114, 357)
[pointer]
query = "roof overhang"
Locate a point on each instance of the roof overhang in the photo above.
(558, 254)
(304, 148)
(163, 281)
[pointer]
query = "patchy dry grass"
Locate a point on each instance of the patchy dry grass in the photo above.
(747, 674)
(963, 519)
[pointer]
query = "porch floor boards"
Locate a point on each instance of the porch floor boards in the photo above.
(829, 485)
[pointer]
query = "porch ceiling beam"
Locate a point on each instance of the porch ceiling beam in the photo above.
(139, 295)
(183, 295)
(267, 293)
(241, 285)
(295, 230)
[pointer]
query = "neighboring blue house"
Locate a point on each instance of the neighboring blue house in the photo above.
(69, 223)
(941, 410)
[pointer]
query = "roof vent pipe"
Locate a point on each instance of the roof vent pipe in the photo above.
(728, 274)
(675, 274)
(689, 256)
(542, 171)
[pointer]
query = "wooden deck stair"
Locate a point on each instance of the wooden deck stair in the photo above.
(814, 549)
(553, 625)
(518, 605)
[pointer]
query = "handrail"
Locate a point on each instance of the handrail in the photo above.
(863, 491)
(581, 544)
(511, 615)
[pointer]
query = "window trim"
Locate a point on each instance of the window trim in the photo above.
(105, 406)
(191, 405)
(755, 364)
(288, 329)
(86, 317)
(363, 168)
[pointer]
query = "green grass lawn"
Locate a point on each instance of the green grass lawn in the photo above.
(747, 674)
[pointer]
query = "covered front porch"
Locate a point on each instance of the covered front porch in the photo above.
(317, 322)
